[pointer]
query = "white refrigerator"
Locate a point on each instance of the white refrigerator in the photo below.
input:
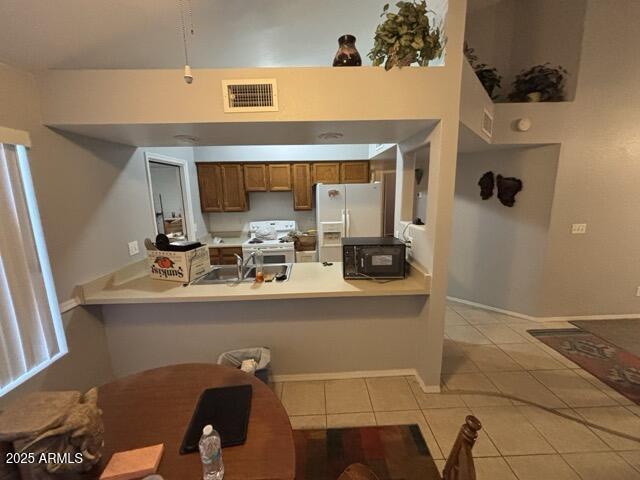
(346, 210)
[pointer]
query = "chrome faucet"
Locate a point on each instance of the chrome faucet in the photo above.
(242, 264)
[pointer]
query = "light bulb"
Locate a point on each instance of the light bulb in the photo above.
(187, 74)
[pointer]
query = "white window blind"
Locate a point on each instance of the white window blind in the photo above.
(31, 331)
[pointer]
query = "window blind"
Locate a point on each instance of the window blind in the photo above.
(31, 331)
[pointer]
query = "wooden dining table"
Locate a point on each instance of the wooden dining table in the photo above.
(155, 406)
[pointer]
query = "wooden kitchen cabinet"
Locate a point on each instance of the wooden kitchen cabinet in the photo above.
(326, 172)
(280, 177)
(301, 173)
(255, 177)
(354, 172)
(234, 195)
(224, 255)
(210, 185)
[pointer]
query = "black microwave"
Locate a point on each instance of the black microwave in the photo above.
(373, 257)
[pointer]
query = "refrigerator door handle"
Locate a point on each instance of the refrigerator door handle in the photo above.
(344, 223)
(348, 223)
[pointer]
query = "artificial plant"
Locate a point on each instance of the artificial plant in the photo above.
(406, 37)
(544, 81)
(488, 76)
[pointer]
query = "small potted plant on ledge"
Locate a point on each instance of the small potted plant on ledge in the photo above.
(540, 83)
(488, 76)
(406, 37)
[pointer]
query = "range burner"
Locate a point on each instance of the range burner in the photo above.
(255, 240)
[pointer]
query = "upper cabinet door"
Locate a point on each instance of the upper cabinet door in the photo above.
(326, 172)
(354, 172)
(280, 177)
(301, 186)
(255, 177)
(210, 185)
(234, 195)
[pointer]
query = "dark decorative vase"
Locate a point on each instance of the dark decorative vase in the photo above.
(347, 55)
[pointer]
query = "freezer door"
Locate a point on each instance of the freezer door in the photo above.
(331, 214)
(363, 216)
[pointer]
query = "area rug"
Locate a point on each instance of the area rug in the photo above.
(609, 363)
(393, 452)
(625, 333)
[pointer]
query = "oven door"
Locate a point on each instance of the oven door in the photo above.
(272, 255)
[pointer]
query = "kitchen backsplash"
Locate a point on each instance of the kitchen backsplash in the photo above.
(263, 206)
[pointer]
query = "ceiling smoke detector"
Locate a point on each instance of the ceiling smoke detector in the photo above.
(330, 135)
(186, 139)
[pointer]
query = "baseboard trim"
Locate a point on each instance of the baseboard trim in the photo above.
(405, 372)
(69, 305)
(567, 318)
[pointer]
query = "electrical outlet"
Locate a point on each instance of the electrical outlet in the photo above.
(638, 292)
(578, 228)
(133, 248)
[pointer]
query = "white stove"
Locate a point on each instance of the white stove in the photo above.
(268, 237)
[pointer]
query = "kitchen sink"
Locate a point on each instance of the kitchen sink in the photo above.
(229, 273)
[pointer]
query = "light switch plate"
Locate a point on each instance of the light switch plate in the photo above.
(578, 228)
(134, 249)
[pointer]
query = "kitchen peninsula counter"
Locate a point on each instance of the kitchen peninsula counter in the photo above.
(131, 285)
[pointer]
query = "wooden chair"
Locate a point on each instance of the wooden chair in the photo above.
(459, 464)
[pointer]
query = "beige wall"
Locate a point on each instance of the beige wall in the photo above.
(513, 35)
(599, 173)
(497, 252)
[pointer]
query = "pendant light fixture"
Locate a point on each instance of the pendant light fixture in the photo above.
(188, 77)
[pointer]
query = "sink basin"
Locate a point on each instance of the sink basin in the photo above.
(272, 269)
(229, 273)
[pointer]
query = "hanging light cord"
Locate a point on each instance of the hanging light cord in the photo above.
(184, 28)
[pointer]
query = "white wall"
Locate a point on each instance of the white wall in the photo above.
(263, 206)
(498, 252)
(513, 35)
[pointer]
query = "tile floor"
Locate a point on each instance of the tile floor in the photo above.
(491, 353)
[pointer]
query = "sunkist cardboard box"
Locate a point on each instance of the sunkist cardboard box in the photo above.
(180, 267)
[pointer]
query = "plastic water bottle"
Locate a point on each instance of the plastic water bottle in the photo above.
(211, 454)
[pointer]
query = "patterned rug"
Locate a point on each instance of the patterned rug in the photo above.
(612, 365)
(394, 452)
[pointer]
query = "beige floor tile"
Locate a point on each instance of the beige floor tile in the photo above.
(411, 417)
(573, 389)
(343, 420)
(391, 393)
(524, 387)
(632, 458)
(466, 334)
(618, 397)
(308, 422)
(475, 382)
(601, 466)
(489, 358)
(511, 432)
(475, 316)
(303, 398)
(541, 467)
(522, 327)
(451, 349)
(445, 424)
(500, 334)
(452, 318)
(509, 319)
(493, 469)
(434, 400)
(277, 388)
(347, 396)
(566, 436)
(458, 365)
(440, 464)
(618, 419)
(531, 357)
(634, 409)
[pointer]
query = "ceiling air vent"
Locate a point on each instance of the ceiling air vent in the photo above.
(250, 95)
(487, 123)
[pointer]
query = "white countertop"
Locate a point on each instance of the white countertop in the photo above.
(308, 280)
(227, 242)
